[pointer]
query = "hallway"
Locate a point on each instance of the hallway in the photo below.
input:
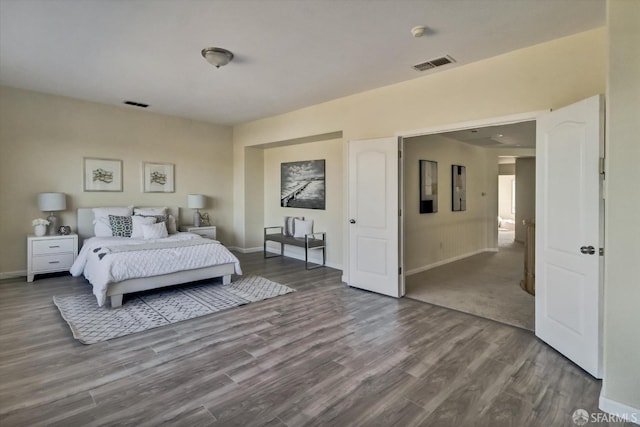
(486, 284)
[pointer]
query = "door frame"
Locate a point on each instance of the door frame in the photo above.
(450, 127)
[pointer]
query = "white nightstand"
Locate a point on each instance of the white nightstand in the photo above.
(50, 254)
(207, 231)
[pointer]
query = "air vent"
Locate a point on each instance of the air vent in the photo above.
(433, 63)
(136, 104)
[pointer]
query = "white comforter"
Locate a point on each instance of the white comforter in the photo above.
(129, 265)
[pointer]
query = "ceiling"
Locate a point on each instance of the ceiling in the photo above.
(288, 53)
(516, 135)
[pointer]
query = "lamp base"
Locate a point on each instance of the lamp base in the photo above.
(196, 218)
(52, 228)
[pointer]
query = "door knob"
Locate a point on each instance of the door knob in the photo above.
(588, 250)
(352, 221)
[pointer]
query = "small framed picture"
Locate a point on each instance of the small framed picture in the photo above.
(102, 174)
(458, 188)
(157, 177)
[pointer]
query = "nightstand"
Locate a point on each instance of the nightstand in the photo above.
(206, 231)
(50, 254)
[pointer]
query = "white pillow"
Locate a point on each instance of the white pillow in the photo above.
(302, 227)
(150, 211)
(102, 227)
(101, 224)
(138, 222)
(155, 231)
(105, 212)
(172, 228)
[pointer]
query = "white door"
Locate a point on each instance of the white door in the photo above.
(569, 231)
(373, 216)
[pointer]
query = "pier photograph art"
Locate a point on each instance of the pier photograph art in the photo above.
(302, 184)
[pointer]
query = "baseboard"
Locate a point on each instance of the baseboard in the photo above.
(448, 260)
(619, 410)
(13, 274)
(300, 256)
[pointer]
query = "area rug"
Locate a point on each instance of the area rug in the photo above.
(91, 324)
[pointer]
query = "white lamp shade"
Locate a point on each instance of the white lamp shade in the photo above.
(195, 201)
(52, 202)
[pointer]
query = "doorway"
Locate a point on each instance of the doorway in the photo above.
(470, 260)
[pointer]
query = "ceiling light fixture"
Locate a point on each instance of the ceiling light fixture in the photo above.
(217, 56)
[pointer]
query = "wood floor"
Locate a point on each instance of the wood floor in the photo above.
(325, 355)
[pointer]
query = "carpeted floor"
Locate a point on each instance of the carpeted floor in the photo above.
(146, 310)
(487, 285)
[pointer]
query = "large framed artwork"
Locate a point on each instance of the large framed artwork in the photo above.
(102, 174)
(428, 186)
(458, 188)
(158, 177)
(302, 184)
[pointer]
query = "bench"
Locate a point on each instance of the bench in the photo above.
(310, 241)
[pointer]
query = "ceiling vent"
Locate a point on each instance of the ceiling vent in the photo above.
(433, 63)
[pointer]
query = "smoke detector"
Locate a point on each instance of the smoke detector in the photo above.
(418, 31)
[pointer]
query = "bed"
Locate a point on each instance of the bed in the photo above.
(115, 267)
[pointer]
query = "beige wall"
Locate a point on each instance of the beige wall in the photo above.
(507, 168)
(431, 239)
(329, 219)
(549, 75)
(43, 139)
(525, 194)
(622, 252)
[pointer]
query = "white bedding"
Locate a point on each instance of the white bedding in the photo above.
(129, 265)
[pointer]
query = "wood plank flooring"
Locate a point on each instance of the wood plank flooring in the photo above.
(324, 355)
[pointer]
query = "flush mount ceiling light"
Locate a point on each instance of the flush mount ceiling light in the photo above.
(217, 56)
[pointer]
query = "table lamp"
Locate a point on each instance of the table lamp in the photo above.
(51, 202)
(196, 201)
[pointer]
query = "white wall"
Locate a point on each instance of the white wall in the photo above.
(434, 238)
(43, 139)
(621, 385)
(525, 194)
(505, 196)
(548, 75)
(328, 220)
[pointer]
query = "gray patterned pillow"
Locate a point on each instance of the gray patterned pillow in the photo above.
(121, 226)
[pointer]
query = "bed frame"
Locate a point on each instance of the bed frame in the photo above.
(116, 290)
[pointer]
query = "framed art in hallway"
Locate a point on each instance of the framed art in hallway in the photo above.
(458, 188)
(102, 174)
(158, 177)
(428, 186)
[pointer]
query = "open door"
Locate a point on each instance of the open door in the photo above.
(373, 216)
(570, 231)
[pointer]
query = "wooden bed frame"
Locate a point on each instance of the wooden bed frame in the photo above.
(116, 290)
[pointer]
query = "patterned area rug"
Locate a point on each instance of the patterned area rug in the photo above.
(91, 324)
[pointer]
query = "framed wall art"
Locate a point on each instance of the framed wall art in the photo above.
(302, 184)
(102, 174)
(158, 177)
(458, 188)
(428, 186)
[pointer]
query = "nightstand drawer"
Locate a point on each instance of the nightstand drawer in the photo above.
(55, 262)
(206, 231)
(52, 246)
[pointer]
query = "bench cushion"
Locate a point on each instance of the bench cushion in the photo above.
(294, 241)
